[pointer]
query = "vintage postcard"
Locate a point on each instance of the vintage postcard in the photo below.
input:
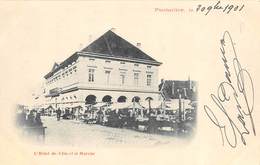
(130, 82)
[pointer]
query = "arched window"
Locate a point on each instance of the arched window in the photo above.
(136, 99)
(107, 99)
(121, 99)
(90, 99)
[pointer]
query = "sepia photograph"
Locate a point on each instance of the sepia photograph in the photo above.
(129, 82)
(109, 90)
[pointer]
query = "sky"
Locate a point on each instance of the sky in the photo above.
(35, 35)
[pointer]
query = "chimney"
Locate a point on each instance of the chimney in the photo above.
(80, 46)
(138, 44)
(113, 29)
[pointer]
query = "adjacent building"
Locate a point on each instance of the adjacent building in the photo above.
(176, 89)
(110, 69)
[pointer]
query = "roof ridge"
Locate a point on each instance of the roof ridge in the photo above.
(112, 44)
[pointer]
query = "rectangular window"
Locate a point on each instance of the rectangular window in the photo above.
(122, 62)
(136, 79)
(107, 61)
(122, 79)
(136, 64)
(149, 67)
(107, 73)
(91, 75)
(149, 80)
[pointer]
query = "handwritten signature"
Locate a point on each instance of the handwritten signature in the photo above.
(237, 89)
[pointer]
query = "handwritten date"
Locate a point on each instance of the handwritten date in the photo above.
(219, 7)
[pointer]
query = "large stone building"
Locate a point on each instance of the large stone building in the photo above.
(110, 69)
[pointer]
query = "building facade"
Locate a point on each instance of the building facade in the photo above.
(110, 69)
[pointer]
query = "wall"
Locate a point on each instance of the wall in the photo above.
(116, 68)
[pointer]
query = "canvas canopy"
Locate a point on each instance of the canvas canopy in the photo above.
(135, 105)
(100, 104)
(174, 104)
(119, 105)
(154, 104)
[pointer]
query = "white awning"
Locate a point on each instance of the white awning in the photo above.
(164, 105)
(100, 104)
(174, 104)
(135, 105)
(44, 106)
(119, 105)
(154, 104)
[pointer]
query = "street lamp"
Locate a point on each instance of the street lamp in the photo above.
(180, 113)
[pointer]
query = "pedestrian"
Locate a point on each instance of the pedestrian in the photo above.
(38, 121)
(58, 114)
(77, 114)
(31, 118)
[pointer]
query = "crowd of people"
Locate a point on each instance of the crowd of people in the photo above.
(26, 118)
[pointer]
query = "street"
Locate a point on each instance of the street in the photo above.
(77, 133)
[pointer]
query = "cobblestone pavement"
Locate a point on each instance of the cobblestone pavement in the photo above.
(77, 133)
